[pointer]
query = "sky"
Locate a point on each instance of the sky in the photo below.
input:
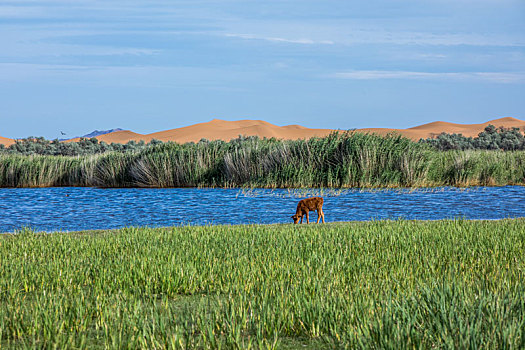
(79, 65)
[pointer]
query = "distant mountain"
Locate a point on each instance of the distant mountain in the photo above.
(102, 132)
(94, 134)
(227, 130)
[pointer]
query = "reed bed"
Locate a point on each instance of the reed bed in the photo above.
(380, 284)
(341, 160)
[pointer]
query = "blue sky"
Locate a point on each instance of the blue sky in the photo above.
(80, 65)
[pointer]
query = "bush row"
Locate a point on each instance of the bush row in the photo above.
(491, 138)
(339, 160)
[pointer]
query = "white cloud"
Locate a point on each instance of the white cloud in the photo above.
(279, 39)
(350, 33)
(120, 76)
(499, 77)
(60, 50)
(400, 37)
(21, 12)
(46, 43)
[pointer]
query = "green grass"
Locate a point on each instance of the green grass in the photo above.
(339, 160)
(380, 284)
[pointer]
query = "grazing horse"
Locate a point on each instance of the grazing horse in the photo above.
(306, 205)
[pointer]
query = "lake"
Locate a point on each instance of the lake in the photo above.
(81, 208)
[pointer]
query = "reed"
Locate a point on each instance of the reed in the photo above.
(379, 284)
(338, 160)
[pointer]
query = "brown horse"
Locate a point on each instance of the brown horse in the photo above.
(306, 205)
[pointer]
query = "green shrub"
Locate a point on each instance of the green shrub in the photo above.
(338, 160)
(491, 138)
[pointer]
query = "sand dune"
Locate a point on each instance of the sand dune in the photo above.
(435, 128)
(5, 141)
(217, 129)
(226, 130)
(470, 129)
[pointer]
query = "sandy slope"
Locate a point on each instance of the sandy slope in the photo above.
(217, 130)
(227, 130)
(435, 128)
(6, 141)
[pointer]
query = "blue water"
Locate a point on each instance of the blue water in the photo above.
(72, 209)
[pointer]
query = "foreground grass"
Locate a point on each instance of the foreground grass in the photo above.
(339, 160)
(382, 284)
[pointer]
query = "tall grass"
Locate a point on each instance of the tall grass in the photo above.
(382, 284)
(338, 160)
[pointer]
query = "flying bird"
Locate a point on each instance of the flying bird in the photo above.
(63, 133)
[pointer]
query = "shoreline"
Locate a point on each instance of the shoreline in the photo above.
(240, 226)
(344, 188)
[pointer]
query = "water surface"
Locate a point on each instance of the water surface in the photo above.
(80, 208)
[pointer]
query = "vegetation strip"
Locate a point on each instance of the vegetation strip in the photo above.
(339, 160)
(380, 284)
(491, 138)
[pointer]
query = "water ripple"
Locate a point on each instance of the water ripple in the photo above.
(77, 208)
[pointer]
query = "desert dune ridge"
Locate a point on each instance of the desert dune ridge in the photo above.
(5, 141)
(218, 129)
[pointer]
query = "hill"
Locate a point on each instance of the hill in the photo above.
(226, 130)
(5, 141)
(95, 133)
(435, 128)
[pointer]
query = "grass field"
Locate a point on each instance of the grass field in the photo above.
(379, 284)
